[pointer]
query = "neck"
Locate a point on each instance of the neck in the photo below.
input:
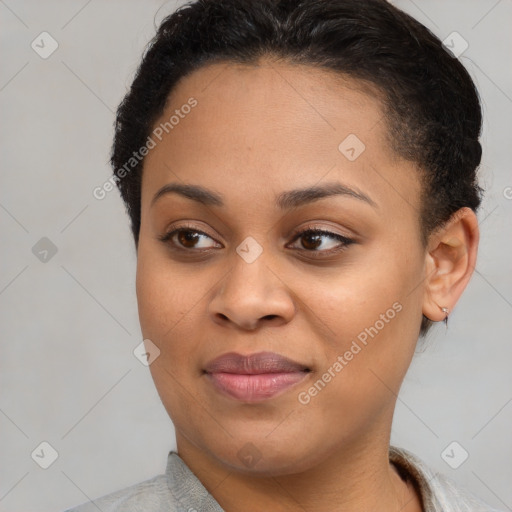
(353, 478)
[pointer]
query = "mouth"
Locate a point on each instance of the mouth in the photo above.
(255, 377)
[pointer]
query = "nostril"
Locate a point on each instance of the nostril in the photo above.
(270, 317)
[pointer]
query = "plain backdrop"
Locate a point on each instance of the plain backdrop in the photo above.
(69, 318)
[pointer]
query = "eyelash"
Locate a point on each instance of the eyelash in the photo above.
(345, 242)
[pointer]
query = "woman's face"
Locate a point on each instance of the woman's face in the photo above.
(269, 152)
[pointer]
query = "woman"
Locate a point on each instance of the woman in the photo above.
(301, 183)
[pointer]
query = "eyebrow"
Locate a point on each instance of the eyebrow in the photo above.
(285, 200)
(298, 197)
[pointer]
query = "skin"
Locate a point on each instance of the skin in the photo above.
(256, 132)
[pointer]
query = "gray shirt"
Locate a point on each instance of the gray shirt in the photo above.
(179, 490)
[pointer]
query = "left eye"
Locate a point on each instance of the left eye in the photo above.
(320, 241)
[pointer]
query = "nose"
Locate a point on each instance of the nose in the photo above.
(251, 295)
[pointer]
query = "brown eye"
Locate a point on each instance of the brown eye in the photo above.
(320, 242)
(189, 239)
(311, 240)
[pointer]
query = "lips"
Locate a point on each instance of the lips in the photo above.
(254, 364)
(255, 377)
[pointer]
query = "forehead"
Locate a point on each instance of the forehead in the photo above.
(271, 124)
(312, 102)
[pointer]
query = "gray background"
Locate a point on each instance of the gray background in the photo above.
(69, 325)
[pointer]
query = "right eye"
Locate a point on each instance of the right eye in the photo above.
(189, 239)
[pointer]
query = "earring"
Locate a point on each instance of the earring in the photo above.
(445, 311)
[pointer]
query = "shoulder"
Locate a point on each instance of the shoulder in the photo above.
(438, 492)
(178, 490)
(454, 498)
(149, 496)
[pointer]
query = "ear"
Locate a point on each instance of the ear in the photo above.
(450, 261)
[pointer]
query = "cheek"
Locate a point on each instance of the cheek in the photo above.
(163, 304)
(172, 304)
(372, 314)
(164, 293)
(354, 297)
(167, 301)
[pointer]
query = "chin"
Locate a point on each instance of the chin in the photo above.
(262, 456)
